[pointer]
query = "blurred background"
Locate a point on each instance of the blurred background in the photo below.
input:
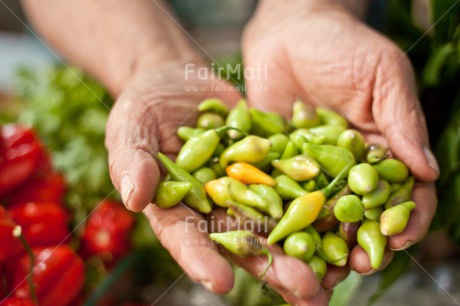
(62, 106)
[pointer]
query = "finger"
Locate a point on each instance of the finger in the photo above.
(285, 274)
(359, 260)
(334, 276)
(424, 196)
(183, 232)
(319, 300)
(131, 141)
(398, 115)
(263, 89)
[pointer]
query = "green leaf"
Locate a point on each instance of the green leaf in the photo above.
(445, 16)
(388, 277)
(448, 156)
(69, 112)
(443, 55)
(345, 291)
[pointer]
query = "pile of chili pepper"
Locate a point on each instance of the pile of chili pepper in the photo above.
(38, 265)
(309, 183)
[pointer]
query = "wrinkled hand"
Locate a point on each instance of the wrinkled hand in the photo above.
(317, 51)
(144, 121)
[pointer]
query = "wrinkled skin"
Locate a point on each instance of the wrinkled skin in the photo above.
(319, 53)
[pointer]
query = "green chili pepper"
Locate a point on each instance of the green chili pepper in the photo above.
(300, 167)
(287, 188)
(197, 150)
(393, 221)
(279, 143)
(372, 241)
(204, 175)
(219, 150)
(304, 116)
(378, 196)
(335, 249)
(330, 133)
(251, 149)
(310, 185)
(332, 159)
(209, 121)
(213, 105)
(214, 164)
(375, 153)
(301, 136)
(290, 151)
(401, 195)
(242, 194)
(392, 170)
(318, 266)
(265, 124)
(265, 164)
(349, 233)
(304, 210)
(373, 213)
(239, 118)
(170, 193)
(248, 215)
(316, 237)
(394, 187)
(242, 243)
(275, 203)
(363, 179)
(300, 245)
(349, 208)
(326, 219)
(185, 132)
(329, 117)
(353, 141)
(196, 197)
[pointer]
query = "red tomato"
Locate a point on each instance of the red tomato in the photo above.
(9, 245)
(43, 223)
(49, 188)
(107, 231)
(21, 154)
(14, 301)
(58, 275)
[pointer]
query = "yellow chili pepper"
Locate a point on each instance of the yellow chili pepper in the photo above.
(304, 210)
(248, 174)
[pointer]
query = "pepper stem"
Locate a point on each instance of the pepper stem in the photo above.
(17, 233)
(220, 131)
(265, 251)
(333, 186)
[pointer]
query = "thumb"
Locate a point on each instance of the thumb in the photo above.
(131, 143)
(399, 117)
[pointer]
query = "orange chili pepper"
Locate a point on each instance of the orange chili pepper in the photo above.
(248, 174)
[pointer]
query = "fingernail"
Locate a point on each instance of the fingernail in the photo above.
(127, 189)
(431, 159)
(208, 285)
(405, 246)
(371, 271)
(297, 294)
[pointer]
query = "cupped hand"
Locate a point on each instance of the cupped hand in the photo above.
(143, 122)
(318, 52)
